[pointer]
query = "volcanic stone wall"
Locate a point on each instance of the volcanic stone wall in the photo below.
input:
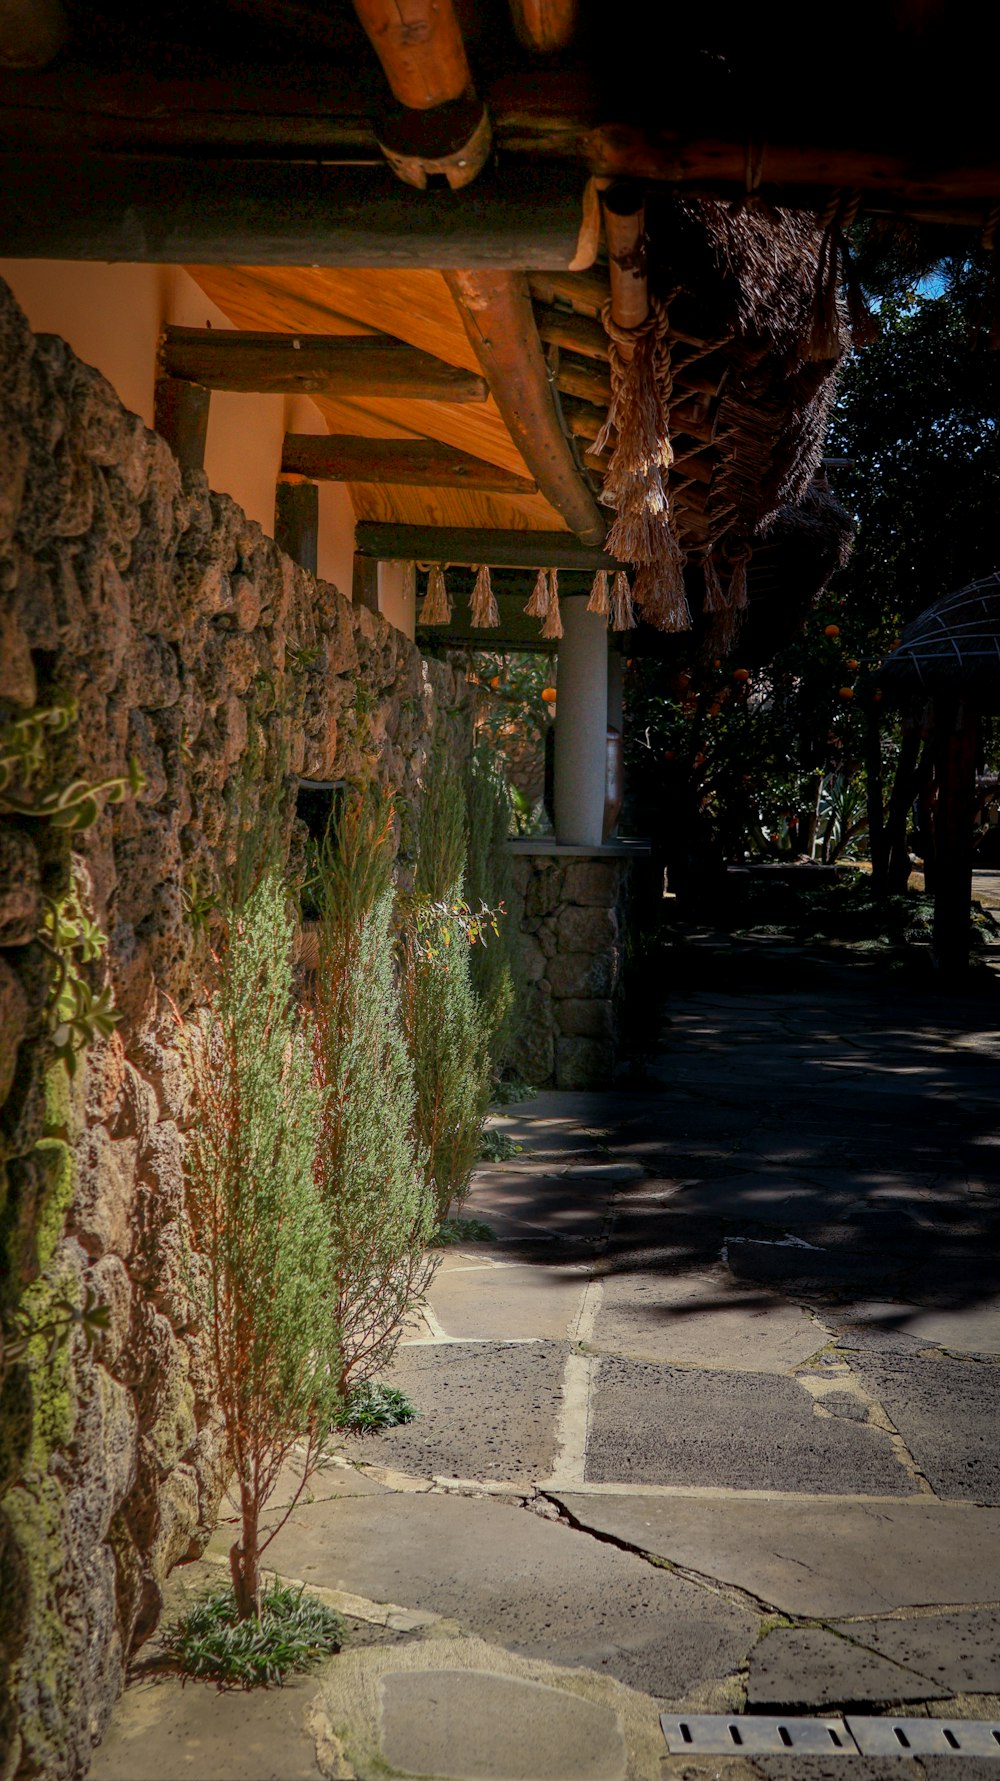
(572, 912)
(191, 645)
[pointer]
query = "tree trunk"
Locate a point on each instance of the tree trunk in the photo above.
(904, 788)
(244, 1564)
(875, 802)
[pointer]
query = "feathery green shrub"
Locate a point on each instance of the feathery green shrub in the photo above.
(369, 1169)
(262, 1274)
(497, 973)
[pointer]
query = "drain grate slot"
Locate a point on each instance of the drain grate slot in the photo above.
(715, 1735)
(925, 1737)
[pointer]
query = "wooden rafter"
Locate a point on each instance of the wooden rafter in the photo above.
(282, 213)
(496, 309)
(314, 364)
(341, 457)
(544, 116)
(471, 546)
(441, 126)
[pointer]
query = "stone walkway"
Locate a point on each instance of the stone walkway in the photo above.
(711, 1425)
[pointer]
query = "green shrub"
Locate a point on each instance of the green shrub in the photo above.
(263, 1273)
(374, 1406)
(498, 1147)
(463, 1230)
(369, 1170)
(497, 976)
(291, 1631)
(448, 1036)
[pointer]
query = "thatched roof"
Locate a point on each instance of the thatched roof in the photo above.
(952, 646)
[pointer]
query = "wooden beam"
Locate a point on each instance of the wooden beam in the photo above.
(342, 457)
(325, 113)
(282, 213)
(364, 584)
(577, 333)
(544, 26)
(499, 320)
(473, 545)
(180, 416)
(441, 126)
(586, 292)
(314, 364)
(296, 522)
(583, 419)
(625, 231)
(585, 381)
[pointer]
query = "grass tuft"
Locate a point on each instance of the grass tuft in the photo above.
(462, 1230)
(497, 1147)
(512, 1089)
(292, 1632)
(372, 1406)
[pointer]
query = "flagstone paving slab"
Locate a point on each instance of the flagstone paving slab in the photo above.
(960, 1653)
(530, 1584)
(492, 1301)
(667, 1425)
(972, 1328)
(809, 1667)
(946, 1411)
(165, 1730)
(822, 1558)
(467, 1709)
(702, 1319)
(484, 1410)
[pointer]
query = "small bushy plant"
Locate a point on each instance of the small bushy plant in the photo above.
(373, 1406)
(489, 881)
(291, 1631)
(369, 1170)
(262, 1275)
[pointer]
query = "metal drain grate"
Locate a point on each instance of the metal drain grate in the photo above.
(714, 1735)
(926, 1737)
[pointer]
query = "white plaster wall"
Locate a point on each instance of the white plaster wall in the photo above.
(112, 315)
(398, 606)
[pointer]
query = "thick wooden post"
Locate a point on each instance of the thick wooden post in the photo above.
(180, 416)
(364, 589)
(956, 751)
(296, 522)
(441, 126)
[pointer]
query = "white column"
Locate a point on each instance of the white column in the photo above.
(581, 724)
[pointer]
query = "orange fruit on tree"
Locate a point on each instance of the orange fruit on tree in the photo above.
(741, 674)
(852, 663)
(549, 695)
(847, 692)
(831, 630)
(495, 681)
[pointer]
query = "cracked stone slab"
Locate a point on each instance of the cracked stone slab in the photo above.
(958, 1653)
(492, 1303)
(535, 1201)
(804, 1667)
(465, 1708)
(822, 1559)
(484, 1410)
(477, 1726)
(973, 1328)
(701, 1319)
(946, 1412)
(746, 1431)
(512, 1577)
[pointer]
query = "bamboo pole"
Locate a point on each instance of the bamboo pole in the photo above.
(625, 233)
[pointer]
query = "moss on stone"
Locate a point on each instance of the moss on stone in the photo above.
(57, 1195)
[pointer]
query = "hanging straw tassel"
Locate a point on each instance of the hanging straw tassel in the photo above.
(410, 583)
(598, 601)
(738, 580)
(661, 596)
(714, 598)
(552, 628)
(538, 605)
(437, 606)
(622, 609)
(484, 611)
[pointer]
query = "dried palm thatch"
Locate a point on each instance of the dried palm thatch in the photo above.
(952, 646)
